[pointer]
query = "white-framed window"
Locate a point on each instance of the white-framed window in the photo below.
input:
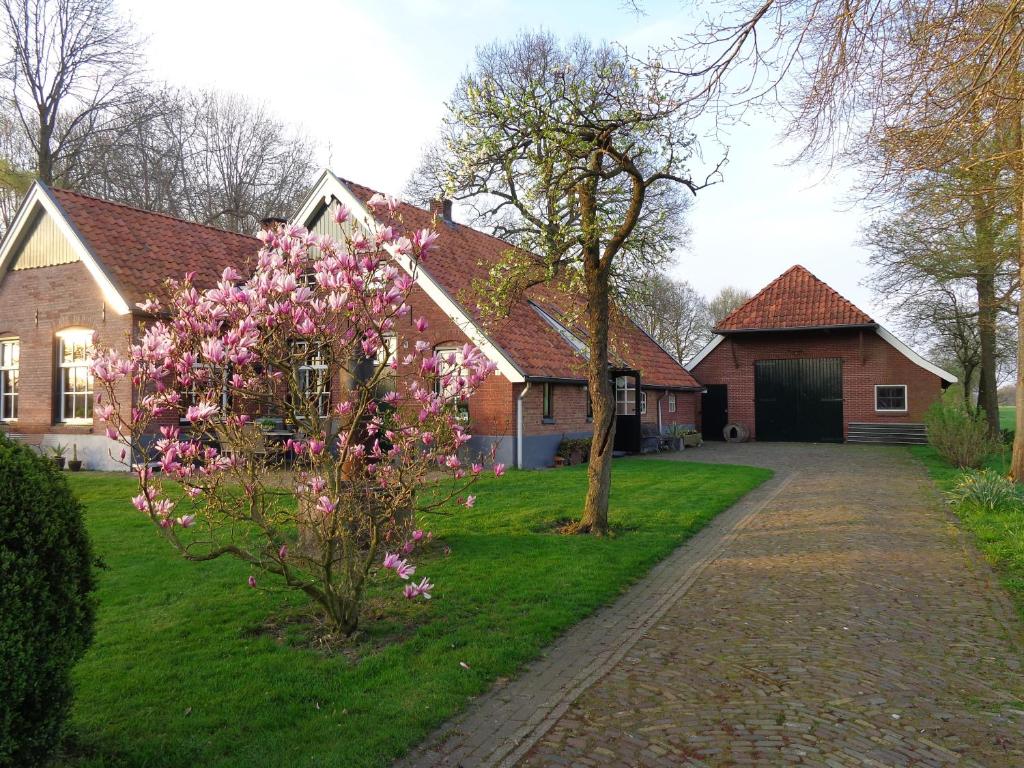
(643, 403)
(10, 361)
(671, 402)
(547, 408)
(386, 355)
(449, 365)
(891, 398)
(314, 379)
(73, 350)
(197, 390)
(625, 396)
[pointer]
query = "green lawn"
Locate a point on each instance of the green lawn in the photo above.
(1007, 416)
(1000, 535)
(178, 677)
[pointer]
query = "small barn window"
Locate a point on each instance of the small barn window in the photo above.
(10, 354)
(548, 405)
(891, 397)
(75, 377)
(671, 402)
(643, 403)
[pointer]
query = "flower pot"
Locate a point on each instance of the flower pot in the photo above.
(560, 461)
(59, 461)
(692, 441)
(75, 466)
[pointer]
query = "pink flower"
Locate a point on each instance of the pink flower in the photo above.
(405, 569)
(252, 581)
(282, 553)
(213, 350)
(340, 214)
(470, 501)
(186, 521)
(427, 438)
(140, 503)
(417, 535)
(477, 468)
(391, 560)
(200, 412)
(325, 505)
(421, 324)
(316, 446)
(416, 590)
(499, 470)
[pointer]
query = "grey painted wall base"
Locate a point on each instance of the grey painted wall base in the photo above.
(504, 448)
(539, 450)
(94, 451)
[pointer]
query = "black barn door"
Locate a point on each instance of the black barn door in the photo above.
(714, 411)
(799, 400)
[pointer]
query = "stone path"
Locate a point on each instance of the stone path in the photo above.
(836, 617)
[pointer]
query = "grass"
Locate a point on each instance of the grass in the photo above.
(999, 534)
(177, 675)
(1007, 416)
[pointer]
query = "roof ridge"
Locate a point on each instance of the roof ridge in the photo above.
(161, 214)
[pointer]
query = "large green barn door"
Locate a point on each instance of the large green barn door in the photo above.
(799, 400)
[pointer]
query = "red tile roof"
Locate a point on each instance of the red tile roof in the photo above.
(140, 249)
(795, 299)
(464, 254)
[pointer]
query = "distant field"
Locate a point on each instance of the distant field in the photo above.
(1007, 416)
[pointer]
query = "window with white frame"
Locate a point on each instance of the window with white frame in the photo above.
(314, 381)
(73, 350)
(10, 354)
(449, 368)
(671, 402)
(891, 398)
(386, 355)
(643, 403)
(625, 396)
(204, 384)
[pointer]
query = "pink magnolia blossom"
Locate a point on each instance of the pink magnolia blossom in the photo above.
(470, 501)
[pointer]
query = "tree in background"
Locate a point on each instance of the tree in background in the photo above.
(725, 301)
(672, 312)
(574, 156)
(71, 65)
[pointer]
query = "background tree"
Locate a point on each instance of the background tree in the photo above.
(725, 301)
(71, 63)
(571, 154)
(672, 312)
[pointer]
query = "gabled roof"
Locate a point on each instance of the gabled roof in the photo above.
(129, 251)
(524, 344)
(795, 299)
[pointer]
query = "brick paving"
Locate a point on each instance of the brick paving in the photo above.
(838, 617)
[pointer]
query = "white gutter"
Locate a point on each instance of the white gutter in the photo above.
(519, 425)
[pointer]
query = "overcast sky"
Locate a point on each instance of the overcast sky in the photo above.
(369, 81)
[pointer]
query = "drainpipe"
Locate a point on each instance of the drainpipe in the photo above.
(663, 396)
(519, 425)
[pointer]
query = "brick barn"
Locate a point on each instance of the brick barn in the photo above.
(72, 265)
(798, 362)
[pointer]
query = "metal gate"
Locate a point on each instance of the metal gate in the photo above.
(799, 400)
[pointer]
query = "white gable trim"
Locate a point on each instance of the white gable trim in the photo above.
(330, 186)
(567, 336)
(40, 199)
(915, 358)
(708, 349)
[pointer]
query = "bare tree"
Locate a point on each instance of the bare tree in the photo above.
(725, 301)
(672, 312)
(573, 155)
(71, 63)
(209, 157)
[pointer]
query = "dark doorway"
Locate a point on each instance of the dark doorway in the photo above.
(627, 411)
(799, 400)
(714, 411)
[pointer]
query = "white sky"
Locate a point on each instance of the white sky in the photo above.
(369, 80)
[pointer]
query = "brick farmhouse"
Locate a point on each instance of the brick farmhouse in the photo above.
(800, 362)
(72, 265)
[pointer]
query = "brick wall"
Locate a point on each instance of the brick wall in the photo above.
(34, 305)
(867, 360)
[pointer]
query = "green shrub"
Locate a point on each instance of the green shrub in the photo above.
(961, 438)
(46, 609)
(569, 445)
(988, 490)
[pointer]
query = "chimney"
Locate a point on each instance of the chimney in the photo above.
(442, 207)
(272, 222)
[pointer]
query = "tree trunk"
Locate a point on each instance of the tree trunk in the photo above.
(985, 260)
(1017, 459)
(596, 276)
(45, 155)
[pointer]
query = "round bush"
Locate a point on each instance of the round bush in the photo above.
(46, 610)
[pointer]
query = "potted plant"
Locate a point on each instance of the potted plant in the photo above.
(675, 433)
(74, 464)
(58, 451)
(692, 438)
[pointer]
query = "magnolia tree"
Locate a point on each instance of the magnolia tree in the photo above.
(309, 336)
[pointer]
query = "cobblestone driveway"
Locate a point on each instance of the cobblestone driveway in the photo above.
(844, 621)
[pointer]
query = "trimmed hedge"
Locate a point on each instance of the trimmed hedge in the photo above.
(46, 609)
